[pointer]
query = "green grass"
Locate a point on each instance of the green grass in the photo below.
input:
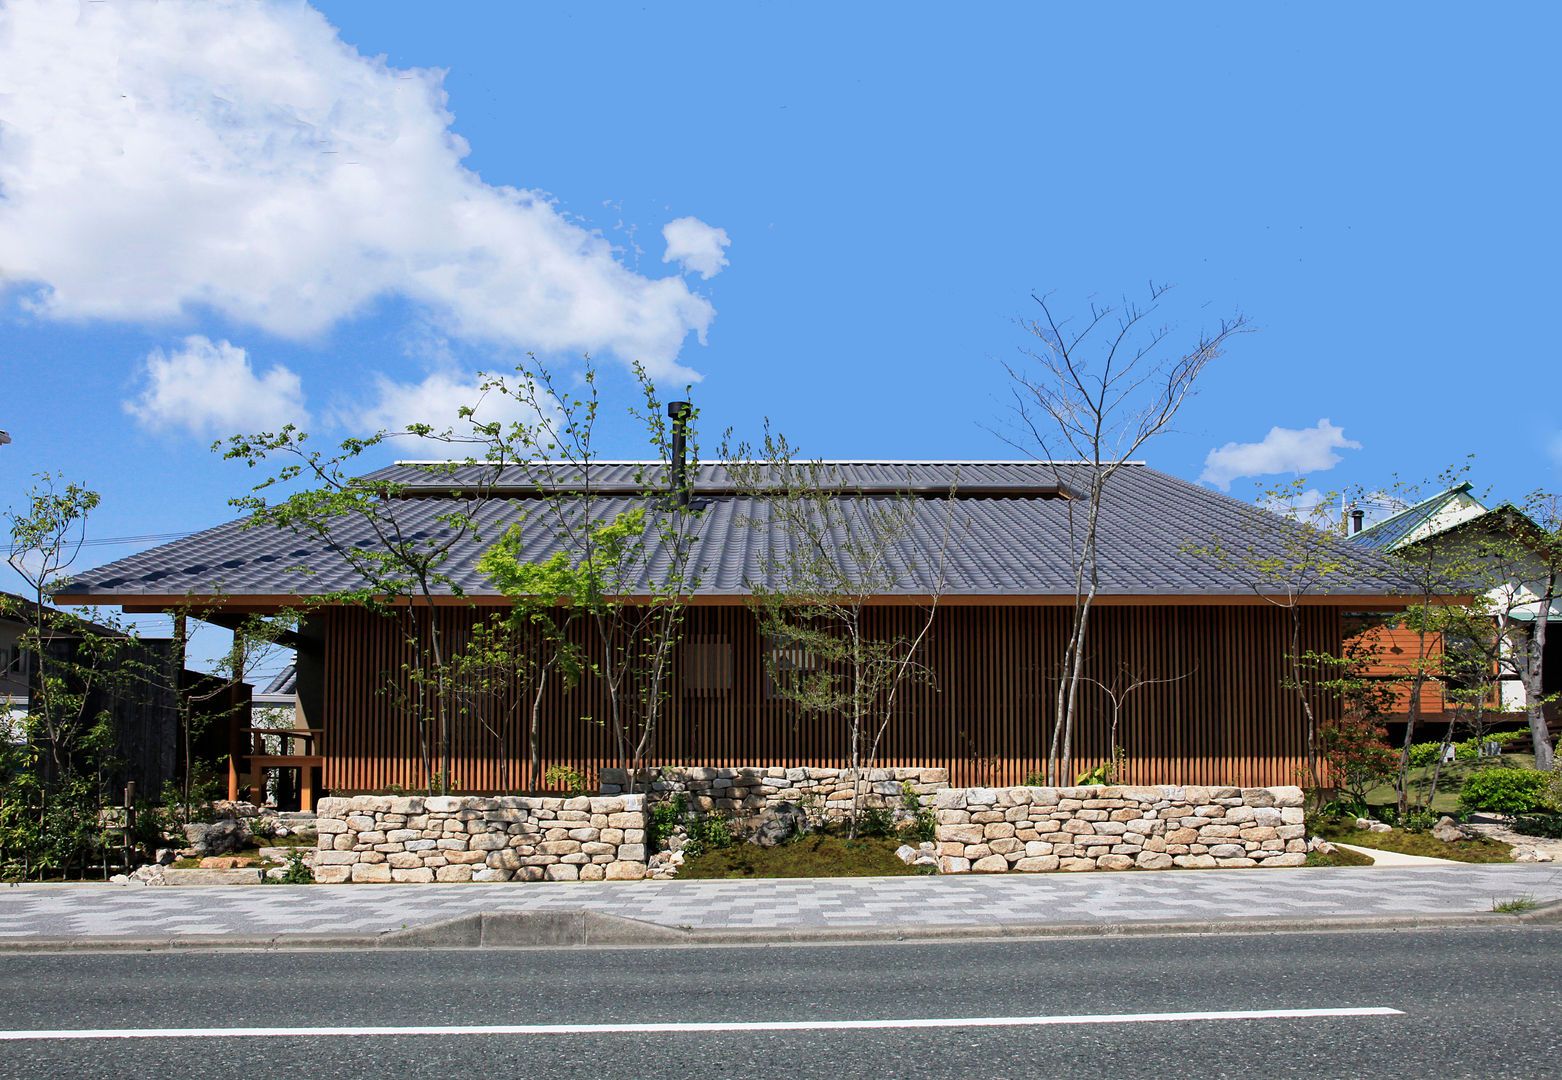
(1449, 781)
(1469, 851)
(819, 855)
(1516, 906)
(1338, 857)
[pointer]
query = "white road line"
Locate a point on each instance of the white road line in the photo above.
(626, 1029)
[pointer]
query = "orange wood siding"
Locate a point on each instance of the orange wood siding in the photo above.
(986, 716)
(1396, 651)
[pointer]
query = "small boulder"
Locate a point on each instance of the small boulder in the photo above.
(779, 824)
(1380, 826)
(1448, 830)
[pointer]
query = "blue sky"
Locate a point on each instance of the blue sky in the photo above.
(214, 217)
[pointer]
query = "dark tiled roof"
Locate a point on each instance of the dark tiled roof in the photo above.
(999, 545)
(285, 682)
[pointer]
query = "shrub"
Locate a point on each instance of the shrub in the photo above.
(567, 778)
(1505, 791)
(1425, 754)
(1549, 825)
(665, 819)
(875, 821)
(1355, 749)
(920, 827)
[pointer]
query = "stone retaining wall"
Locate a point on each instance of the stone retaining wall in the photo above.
(449, 838)
(1115, 828)
(749, 791)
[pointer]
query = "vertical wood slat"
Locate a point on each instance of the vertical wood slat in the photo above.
(987, 715)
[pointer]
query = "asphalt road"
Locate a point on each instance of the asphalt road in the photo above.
(1470, 1003)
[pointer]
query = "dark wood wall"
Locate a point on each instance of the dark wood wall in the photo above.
(986, 715)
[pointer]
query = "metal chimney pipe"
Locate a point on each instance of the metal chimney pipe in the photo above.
(679, 412)
(1355, 520)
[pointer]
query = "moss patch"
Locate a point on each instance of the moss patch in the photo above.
(1338, 857)
(818, 855)
(1469, 851)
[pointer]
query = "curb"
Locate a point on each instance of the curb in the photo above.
(592, 929)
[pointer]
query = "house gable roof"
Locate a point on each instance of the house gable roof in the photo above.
(1430, 517)
(1008, 539)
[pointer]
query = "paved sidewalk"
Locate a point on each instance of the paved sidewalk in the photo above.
(1041, 900)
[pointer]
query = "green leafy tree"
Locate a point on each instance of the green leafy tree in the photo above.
(824, 561)
(626, 574)
(1353, 743)
(400, 568)
(1287, 555)
(53, 785)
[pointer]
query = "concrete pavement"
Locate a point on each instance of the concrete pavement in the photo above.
(36, 915)
(1477, 1003)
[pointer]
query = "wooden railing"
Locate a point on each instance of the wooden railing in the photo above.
(248, 756)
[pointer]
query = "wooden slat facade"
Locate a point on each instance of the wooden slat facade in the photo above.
(986, 715)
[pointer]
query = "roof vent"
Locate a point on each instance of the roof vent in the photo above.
(680, 412)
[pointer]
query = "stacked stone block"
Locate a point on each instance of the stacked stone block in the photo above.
(1118, 828)
(374, 838)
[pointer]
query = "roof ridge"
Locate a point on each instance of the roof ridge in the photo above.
(798, 461)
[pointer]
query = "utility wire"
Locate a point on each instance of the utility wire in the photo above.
(108, 541)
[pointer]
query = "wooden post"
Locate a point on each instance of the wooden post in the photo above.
(130, 822)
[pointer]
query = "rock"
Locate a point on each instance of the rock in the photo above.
(990, 864)
(1037, 864)
(779, 824)
(1153, 860)
(1448, 830)
(217, 838)
(1380, 826)
(1114, 862)
(906, 854)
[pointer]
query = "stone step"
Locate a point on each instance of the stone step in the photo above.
(250, 876)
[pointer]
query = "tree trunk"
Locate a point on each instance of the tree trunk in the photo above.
(1534, 681)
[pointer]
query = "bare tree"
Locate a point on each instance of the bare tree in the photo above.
(1125, 681)
(1098, 388)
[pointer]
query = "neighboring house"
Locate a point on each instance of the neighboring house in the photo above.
(1455, 522)
(137, 695)
(996, 641)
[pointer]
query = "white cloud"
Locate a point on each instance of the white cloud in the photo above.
(1310, 505)
(436, 401)
(210, 388)
(696, 245)
(1283, 450)
(161, 157)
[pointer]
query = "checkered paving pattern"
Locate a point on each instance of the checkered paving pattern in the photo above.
(86, 911)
